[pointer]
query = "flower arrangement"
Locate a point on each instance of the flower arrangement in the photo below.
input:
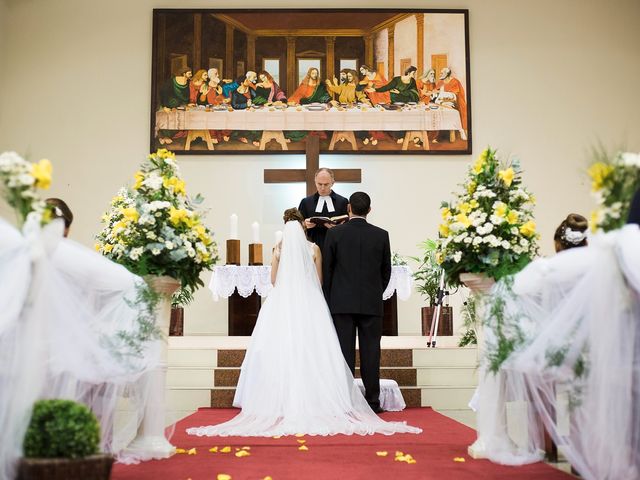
(614, 180)
(20, 182)
(154, 228)
(489, 228)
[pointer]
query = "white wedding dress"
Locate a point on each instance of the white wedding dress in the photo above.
(294, 378)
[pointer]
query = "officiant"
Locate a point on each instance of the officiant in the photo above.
(324, 203)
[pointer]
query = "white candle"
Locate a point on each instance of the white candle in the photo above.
(278, 236)
(255, 232)
(233, 231)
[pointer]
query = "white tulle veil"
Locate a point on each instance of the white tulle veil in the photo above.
(575, 368)
(63, 309)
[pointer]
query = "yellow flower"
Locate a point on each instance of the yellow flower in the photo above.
(501, 210)
(242, 453)
(595, 219)
(507, 176)
(164, 153)
(464, 208)
(382, 454)
(478, 166)
(139, 177)
(97, 247)
(599, 172)
(459, 459)
(512, 217)
(41, 171)
(532, 199)
(107, 247)
(178, 215)
(474, 204)
(528, 229)
(192, 451)
(446, 213)
(463, 219)
(130, 214)
(213, 449)
(119, 226)
(223, 476)
(225, 450)
(471, 187)
(439, 258)
(444, 230)
(175, 184)
(303, 448)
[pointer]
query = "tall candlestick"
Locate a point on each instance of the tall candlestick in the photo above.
(255, 232)
(233, 231)
(278, 236)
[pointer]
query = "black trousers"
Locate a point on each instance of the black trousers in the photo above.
(369, 329)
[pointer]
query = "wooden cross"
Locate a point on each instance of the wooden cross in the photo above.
(285, 175)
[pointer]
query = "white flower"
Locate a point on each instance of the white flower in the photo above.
(506, 245)
(153, 181)
(155, 251)
(524, 242)
(457, 256)
(135, 253)
(169, 245)
(158, 205)
(630, 159)
(151, 235)
(496, 220)
(468, 240)
(477, 240)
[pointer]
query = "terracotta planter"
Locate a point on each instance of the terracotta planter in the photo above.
(176, 326)
(477, 282)
(94, 467)
(445, 324)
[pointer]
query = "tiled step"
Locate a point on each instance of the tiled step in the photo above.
(223, 397)
(445, 357)
(405, 377)
(447, 397)
(388, 358)
(447, 376)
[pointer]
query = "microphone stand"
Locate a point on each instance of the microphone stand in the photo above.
(435, 319)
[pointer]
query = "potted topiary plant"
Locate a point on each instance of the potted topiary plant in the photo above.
(62, 443)
(427, 279)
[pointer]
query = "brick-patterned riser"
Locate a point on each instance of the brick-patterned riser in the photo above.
(395, 365)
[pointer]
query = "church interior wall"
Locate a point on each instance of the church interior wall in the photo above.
(440, 33)
(77, 92)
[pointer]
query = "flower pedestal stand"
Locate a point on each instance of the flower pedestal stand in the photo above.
(480, 284)
(150, 442)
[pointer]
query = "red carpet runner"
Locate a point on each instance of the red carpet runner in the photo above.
(336, 457)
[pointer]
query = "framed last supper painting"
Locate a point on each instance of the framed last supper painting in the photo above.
(263, 81)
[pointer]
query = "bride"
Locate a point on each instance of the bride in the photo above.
(294, 378)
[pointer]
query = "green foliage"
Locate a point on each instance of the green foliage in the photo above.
(61, 429)
(398, 260)
(427, 276)
(469, 318)
(182, 297)
(128, 345)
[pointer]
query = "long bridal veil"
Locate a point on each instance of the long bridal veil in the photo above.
(294, 378)
(63, 312)
(577, 369)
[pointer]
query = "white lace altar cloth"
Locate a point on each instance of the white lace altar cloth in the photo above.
(391, 399)
(249, 278)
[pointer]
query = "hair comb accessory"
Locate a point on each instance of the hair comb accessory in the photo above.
(574, 236)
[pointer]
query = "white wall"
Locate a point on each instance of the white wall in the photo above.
(76, 90)
(381, 50)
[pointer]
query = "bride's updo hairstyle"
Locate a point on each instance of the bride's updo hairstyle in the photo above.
(571, 233)
(293, 214)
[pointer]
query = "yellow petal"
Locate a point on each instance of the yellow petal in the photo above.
(459, 459)
(411, 461)
(299, 435)
(180, 450)
(223, 476)
(213, 449)
(278, 436)
(382, 454)
(225, 450)
(267, 478)
(246, 448)
(242, 453)
(301, 441)
(304, 448)
(192, 451)
(399, 454)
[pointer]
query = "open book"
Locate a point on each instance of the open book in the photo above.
(333, 220)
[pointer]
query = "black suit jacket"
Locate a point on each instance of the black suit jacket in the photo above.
(308, 209)
(356, 264)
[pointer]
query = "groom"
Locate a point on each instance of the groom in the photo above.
(356, 270)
